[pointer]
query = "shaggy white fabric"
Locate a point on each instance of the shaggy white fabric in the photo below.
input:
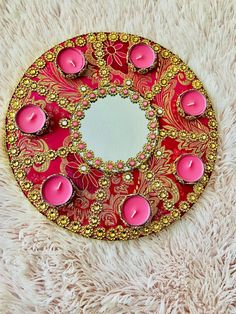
(188, 268)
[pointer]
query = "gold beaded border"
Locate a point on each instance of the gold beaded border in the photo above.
(85, 103)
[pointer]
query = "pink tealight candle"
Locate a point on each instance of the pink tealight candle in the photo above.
(57, 190)
(189, 168)
(136, 210)
(71, 61)
(142, 57)
(193, 103)
(31, 119)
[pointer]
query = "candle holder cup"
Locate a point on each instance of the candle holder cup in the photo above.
(152, 212)
(71, 197)
(42, 130)
(181, 110)
(179, 178)
(71, 75)
(137, 69)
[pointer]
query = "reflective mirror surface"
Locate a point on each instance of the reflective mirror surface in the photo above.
(114, 128)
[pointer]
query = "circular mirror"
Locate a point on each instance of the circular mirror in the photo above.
(114, 128)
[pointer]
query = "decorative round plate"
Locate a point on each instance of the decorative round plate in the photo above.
(151, 133)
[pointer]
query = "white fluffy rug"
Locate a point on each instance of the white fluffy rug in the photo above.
(188, 268)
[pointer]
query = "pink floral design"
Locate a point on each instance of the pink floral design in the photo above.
(114, 53)
(87, 181)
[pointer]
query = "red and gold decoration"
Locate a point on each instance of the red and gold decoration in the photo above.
(119, 200)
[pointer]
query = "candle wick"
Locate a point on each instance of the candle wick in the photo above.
(139, 57)
(71, 61)
(32, 116)
(59, 185)
(191, 104)
(190, 163)
(134, 213)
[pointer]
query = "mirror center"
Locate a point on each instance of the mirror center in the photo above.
(114, 128)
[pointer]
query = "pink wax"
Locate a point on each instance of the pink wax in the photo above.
(190, 168)
(71, 60)
(193, 102)
(57, 190)
(142, 56)
(136, 210)
(30, 119)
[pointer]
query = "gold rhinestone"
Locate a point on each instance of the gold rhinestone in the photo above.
(212, 145)
(165, 220)
(99, 53)
(198, 188)
(96, 207)
(193, 136)
(162, 195)
(169, 205)
(135, 39)
(158, 153)
(175, 213)
(183, 67)
(128, 82)
(159, 111)
(143, 167)
(20, 174)
(101, 62)
(14, 151)
(80, 41)
(197, 84)
(93, 220)
(88, 231)
(210, 113)
(156, 227)
(42, 206)
(27, 185)
(104, 182)
(113, 36)
(26, 82)
(213, 134)
(183, 134)
(162, 133)
(63, 220)
(156, 88)
(173, 133)
(191, 197)
(15, 163)
(211, 157)
(74, 226)
(51, 154)
(156, 48)
(64, 122)
(15, 103)
(62, 152)
(165, 53)
(212, 123)
(40, 63)
(11, 127)
(11, 139)
(49, 56)
(149, 95)
(100, 232)
(163, 82)
(104, 82)
(62, 101)
(91, 38)
(101, 36)
(184, 206)
(124, 37)
(175, 60)
(149, 175)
